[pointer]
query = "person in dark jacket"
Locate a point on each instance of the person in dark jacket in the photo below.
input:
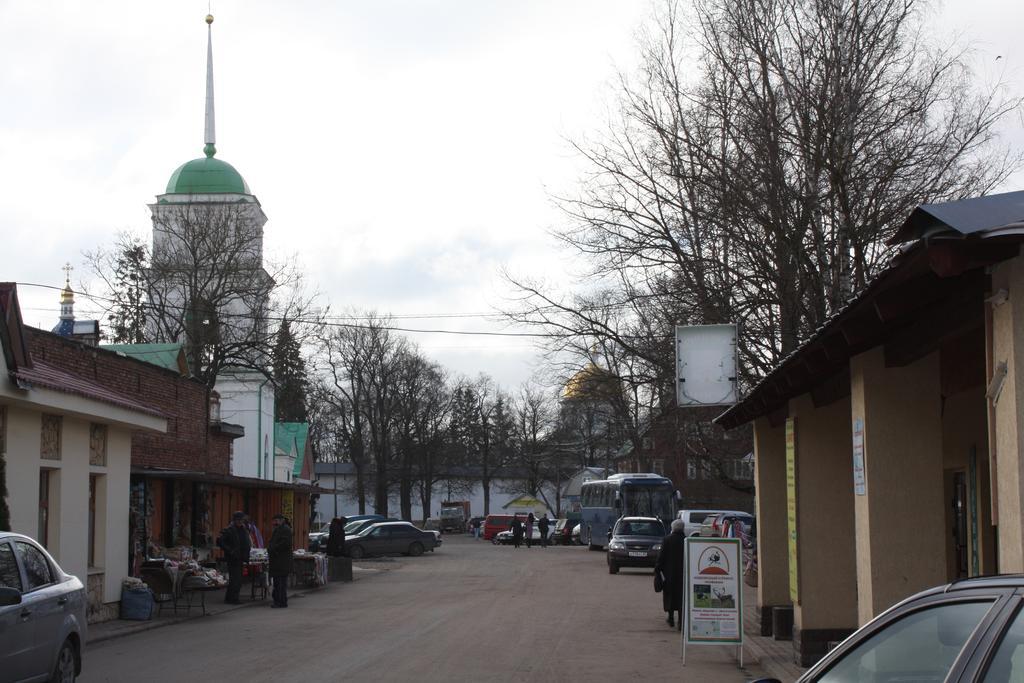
(529, 530)
(336, 537)
(234, 541)
(279, 554)
(517, 531)
(542, 526)
(671, 566)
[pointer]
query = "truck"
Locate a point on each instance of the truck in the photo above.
(454, 516)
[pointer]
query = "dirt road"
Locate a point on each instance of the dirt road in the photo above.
(471, 611)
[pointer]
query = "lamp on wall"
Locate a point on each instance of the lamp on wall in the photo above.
(1000, 297)
(995, 385)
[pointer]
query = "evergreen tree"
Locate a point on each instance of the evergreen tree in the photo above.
(128, 324)
(290, 376)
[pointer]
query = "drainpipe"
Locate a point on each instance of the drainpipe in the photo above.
(259, 430)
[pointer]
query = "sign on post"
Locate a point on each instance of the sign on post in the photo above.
(713, 609)
(705, 365)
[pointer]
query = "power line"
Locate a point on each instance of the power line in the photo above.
(325, 323)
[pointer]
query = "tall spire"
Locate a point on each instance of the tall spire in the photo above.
(211, 135)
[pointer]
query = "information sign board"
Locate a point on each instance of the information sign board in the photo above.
(859, 482)
(713, 602)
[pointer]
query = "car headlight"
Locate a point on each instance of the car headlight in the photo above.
(656, 546)
(616, 545)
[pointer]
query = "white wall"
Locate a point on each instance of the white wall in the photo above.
(242, 403)
(348, 505)
(69, 503)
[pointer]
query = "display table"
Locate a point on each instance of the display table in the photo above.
(257, 573)
(191, 585)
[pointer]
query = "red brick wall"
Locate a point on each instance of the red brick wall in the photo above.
(188, 443)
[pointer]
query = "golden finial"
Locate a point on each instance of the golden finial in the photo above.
(209, 18)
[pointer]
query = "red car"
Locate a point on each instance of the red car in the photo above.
(496, 523)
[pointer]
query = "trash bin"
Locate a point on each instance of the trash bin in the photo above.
(339, 569)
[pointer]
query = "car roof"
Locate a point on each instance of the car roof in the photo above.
(639, 519)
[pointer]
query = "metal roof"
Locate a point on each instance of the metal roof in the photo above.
(964, 217)
(167, 356)
(945, 240)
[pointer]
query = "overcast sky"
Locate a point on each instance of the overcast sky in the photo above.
(404, 151)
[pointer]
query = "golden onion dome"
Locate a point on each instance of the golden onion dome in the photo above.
(590, 382)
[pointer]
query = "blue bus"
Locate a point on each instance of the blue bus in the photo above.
(624, 495)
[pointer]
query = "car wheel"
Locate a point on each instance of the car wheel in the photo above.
(356, 552)
(64, 672)
(416, 549)
(613, 568)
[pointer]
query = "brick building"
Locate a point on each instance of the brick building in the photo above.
(712, 468)
(182, 490)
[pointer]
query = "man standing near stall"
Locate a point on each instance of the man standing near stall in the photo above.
(279, 553)
(234, 541)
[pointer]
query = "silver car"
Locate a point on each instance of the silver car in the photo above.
(42, 614)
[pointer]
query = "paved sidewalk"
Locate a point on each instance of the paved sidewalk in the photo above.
(215, 605)
(774, 656)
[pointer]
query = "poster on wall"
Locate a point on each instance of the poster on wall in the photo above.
(713, 602)
(859, 483)
(794, 577)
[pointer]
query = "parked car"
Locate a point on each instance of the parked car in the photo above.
(358, 526)
(562, 534)
(713, 524)
(692, 519)
(634, 542)
(576, 535)
(493, 524)
(968, 631)
(505, 537)
(391, 538)
(42, 614)
(318, 539)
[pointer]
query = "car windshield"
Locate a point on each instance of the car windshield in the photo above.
(640, 528)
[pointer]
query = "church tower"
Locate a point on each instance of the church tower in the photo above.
(85, 331)
(210, 291)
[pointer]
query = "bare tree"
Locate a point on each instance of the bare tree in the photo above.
(205, 284)
(363, 367)
(761, 157)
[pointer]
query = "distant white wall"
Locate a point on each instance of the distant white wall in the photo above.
(345, 504)
(247, 399)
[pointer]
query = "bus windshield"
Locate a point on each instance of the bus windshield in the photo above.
(648, 501)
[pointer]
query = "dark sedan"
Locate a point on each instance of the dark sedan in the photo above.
(971, 630)
(634, 542)
(390, 538)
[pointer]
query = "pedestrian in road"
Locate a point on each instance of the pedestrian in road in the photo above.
(529, 530)
(670, 566)
(336, 537)
(517, 531)
(279, 554)
(543, 526)
(234, 541)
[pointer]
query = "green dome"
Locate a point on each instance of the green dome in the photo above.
(207, 176)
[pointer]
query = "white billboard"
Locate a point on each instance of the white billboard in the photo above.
(705, 365)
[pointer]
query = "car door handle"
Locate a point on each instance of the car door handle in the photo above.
(26, 613)
(63, 600)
